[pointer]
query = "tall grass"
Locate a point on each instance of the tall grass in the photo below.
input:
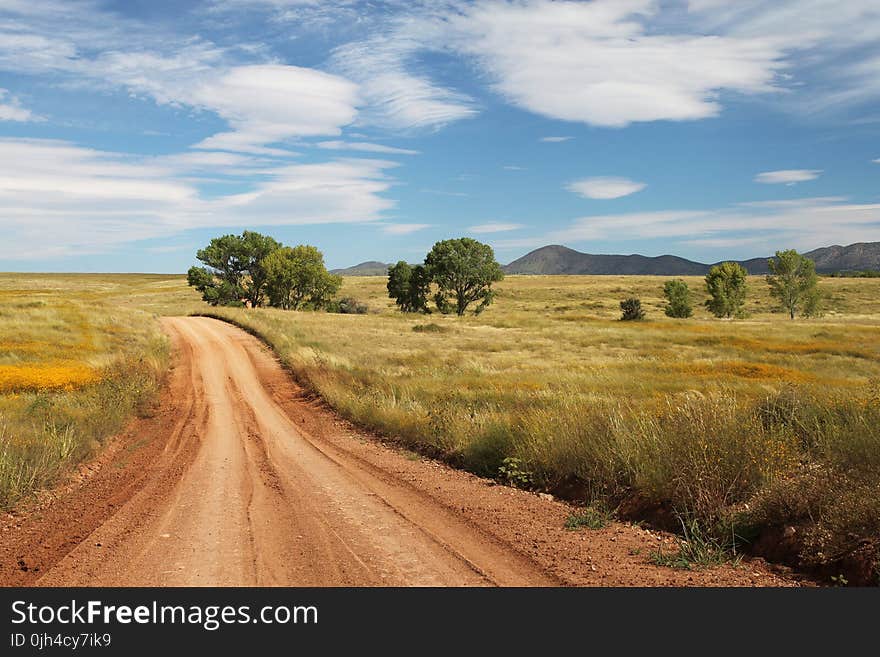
(76, 362)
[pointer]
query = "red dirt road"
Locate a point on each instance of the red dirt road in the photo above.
(239, 478)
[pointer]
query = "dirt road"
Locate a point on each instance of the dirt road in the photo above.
(239, 478)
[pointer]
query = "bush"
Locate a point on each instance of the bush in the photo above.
(348, 306)
(631, 310)
(430, 328)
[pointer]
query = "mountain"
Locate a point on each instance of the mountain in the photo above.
(855, 257)
(556, 259)
(369, 268)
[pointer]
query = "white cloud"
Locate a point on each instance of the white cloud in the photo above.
(271, 103)
(802, 224)
(513, 167)
(830, 45)
(598, 63)
(403, 229)
(555, 140)
(364, 146)
(877, 161)
(787, 176)
(11, 109)
(605, 187)
(397, 97)
(57, 198)
(263, 103)
(616, 62)
(493, 227)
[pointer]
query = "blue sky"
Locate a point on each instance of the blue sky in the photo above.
(132, 132)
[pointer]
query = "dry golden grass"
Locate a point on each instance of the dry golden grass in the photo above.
(78, 354)
(710, 416)
(546, 335)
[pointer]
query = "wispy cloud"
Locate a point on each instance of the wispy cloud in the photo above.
(828, 43)
(787, 176)
(513, 167)
(493, 228)
(555, 140)
(364, 146)
(73, 200)
(11, 109)
(396, 96)
(255, 100)
(403, 229)
(263, 103)
(605, 187)
(802, 224)
(442, 192)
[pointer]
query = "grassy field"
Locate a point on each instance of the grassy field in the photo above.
(78, 356)
(742, 426)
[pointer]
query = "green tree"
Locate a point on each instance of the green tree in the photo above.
(256, 248)
(296, 277)
(793, 281)
(726, 284)
(464, 270)
(678, 299)
(631, 310)
(233, 273)
(409, 286)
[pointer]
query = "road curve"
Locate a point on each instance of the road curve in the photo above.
(259, 501)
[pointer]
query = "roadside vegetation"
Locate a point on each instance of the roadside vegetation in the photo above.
(76, 361)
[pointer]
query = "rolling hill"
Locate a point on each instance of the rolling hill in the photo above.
(369, 268)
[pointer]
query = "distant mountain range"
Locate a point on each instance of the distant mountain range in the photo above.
(556, 259)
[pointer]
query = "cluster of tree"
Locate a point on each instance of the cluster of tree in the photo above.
(793, 283)
(252, 269)
(460, 272)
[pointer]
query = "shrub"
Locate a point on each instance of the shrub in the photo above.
(430, 328)
(631, 310)
(348, 306)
